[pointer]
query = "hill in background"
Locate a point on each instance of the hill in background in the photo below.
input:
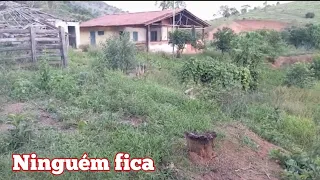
(292, 13)
(78, 10)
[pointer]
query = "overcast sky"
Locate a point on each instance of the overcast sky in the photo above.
(202, 9)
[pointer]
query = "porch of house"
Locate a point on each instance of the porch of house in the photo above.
(157, 32)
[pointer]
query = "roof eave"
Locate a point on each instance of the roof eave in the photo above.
(161, 17)
(205, 24)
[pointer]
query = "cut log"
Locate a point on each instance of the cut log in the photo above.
(201, 144)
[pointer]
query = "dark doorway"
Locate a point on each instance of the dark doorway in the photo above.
(72, 36)
(93, 38)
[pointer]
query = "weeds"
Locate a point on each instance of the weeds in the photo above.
(99, 102)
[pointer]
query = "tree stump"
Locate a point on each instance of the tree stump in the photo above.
(201, 144)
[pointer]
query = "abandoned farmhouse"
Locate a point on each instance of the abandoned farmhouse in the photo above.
(148, 30)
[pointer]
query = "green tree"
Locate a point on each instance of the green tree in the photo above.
(223, 39)
(225, 11)
(234, 11)
(118, 54)
(308, 36)
(249, 50)
(300, 75)
(315, 67)
(180, 38)
(274, 42)
(170, 4)
(244, 9)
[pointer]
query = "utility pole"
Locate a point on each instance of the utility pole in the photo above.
(173, 19)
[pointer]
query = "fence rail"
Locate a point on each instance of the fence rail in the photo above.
(33, 44)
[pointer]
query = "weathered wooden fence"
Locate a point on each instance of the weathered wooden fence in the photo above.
(32, 44)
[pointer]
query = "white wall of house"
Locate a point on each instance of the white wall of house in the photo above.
(142, 33)
(165, 33)
(65, 27)
(161, 47)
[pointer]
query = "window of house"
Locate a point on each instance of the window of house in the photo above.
(100, 33)
(135, 36)
(154, 36)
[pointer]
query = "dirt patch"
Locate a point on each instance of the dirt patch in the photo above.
(239, 26)
(236, 160)
(15, 108)
(288, 60)
(43, 118)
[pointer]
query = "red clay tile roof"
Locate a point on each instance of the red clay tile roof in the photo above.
(140, 18)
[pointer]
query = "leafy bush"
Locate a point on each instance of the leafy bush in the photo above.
(118, 54)
(308, 36)
(22, 89)
(215, 74)
(274, 41)
(223, 39)
(180, 38)
(299, 165)
(44, 76)
(249, 51)
(310, 15)
(299, 75)
(20, 135)
(315, 67)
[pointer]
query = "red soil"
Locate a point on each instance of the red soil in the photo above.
(237, 160)
(249, 25)
(283, 60)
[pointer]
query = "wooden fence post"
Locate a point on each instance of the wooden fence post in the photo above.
(33, 44)
(67, 41)
(63, 48)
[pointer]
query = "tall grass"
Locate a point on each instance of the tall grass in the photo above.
(286, 116)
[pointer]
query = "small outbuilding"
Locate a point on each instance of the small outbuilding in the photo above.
(31, 32)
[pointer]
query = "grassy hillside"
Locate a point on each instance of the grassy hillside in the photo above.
(293, 13)
(78, 10)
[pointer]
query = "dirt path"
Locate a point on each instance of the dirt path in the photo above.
(40, 116)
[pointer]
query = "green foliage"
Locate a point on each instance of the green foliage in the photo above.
(308, 36)
(315, 67)
(64, 86)
(274, 41)
(215, 74)
(310, 15)
(301, 130)
(249, 52)
(20, 135)
(225, 11)
(180, 38)
(44, 76)
(223, 39)
(298, 166)
(170, 4)
(299, 75)
(22, 89)
(118, 54)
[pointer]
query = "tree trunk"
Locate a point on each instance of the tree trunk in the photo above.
(201, 144)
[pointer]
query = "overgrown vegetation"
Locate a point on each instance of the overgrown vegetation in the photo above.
(223, 38)
(118, 54)
(179, 39)
(300, 75)
(93, 106)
